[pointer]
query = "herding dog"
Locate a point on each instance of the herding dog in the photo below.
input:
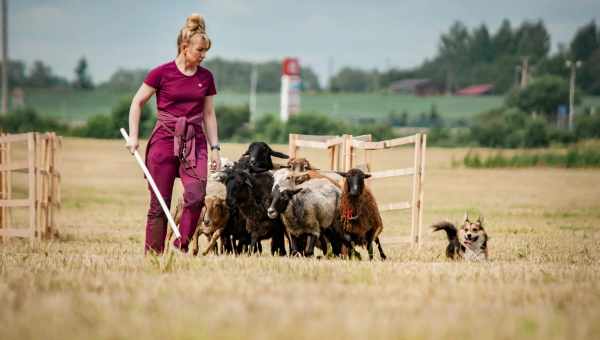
(469, 242)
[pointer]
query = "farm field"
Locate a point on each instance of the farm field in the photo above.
(77, 106)
(542, 280)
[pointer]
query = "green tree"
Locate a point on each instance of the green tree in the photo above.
(126, 79)
(591, 69)
(353, 80)
(533, 40)
(585, 42)
(543, 96)
(41, 75)
(504, 40)
(481, 47)
(82, 78)
(16, 72)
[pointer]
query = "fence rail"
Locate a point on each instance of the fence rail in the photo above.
(343, 156)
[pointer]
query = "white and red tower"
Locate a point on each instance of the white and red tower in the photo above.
(290, 88)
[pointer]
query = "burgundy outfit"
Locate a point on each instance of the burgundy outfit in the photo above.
(177, 148)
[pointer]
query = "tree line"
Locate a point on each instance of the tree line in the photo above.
(40, 75)
(464, 57)
(230, 75)
(467, 57)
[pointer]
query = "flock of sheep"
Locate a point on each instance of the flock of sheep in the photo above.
(250, 201)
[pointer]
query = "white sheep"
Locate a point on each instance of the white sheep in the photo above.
(307, 209)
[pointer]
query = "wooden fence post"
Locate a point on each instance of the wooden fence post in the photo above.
(422, 181)
(292, 145)
(415, 196)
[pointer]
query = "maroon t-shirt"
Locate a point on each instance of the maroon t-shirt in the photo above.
(179, 94)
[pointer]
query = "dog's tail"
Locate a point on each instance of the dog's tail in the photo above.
(448, 227)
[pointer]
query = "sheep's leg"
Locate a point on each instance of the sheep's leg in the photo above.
(370, 250)
(310, 245)
(195, 246)
(213, 241)
(381, 254)
(278, 241)
(293, 246)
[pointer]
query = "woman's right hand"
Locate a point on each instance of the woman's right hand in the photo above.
(132, 144)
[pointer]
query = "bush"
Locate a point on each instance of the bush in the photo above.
(120, 118)
(107, 126)
(587, 126)
(28, 119)
(511, 129)
(232, 121)
(575, 157)
(544, 95)
(98, 126)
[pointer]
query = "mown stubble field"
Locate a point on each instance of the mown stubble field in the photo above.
(542, 281)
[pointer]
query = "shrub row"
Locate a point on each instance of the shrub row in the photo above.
(574, 157)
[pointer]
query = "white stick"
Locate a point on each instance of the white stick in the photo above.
(137, 156)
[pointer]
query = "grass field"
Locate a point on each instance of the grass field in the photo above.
(542, 282)
(77, 106)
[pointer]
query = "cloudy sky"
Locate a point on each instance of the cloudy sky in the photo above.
(368, 34)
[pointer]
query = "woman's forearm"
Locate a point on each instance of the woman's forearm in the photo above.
(212, 130)
(135, 111)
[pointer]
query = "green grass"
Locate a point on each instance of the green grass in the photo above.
(542, 280)
(77, 106)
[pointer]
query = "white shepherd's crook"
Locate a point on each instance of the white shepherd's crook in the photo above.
(137, 156)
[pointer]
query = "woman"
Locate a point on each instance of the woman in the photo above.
(178, 145)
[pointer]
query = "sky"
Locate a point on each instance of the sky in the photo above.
(324, 34)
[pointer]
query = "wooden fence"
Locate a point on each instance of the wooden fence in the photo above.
(344, 155)
(42, 201)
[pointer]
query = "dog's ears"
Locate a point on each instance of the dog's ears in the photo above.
(480, 219)
(466, 218)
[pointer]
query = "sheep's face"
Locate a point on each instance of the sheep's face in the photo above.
(239, 185)
(280, 200)
(355, 181)
(299, 165)
(259, 154)
(217, 213)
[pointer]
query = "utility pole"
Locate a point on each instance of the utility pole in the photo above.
(517, 75)
(330, 70)
(253, 82)
(573, 66)
(5, 62)
(524, 72)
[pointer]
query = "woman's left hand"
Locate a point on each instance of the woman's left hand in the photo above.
(215, 160)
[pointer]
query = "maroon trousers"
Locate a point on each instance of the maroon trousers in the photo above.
(164, 167)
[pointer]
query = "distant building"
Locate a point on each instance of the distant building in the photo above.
(476, 90)
(418, 87)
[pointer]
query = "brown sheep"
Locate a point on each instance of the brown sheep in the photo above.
(213, 219)
(303, 171)
(359, 213)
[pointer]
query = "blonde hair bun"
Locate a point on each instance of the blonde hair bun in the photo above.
(195, 22)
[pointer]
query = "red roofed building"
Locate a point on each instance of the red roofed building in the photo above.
(475, 90)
